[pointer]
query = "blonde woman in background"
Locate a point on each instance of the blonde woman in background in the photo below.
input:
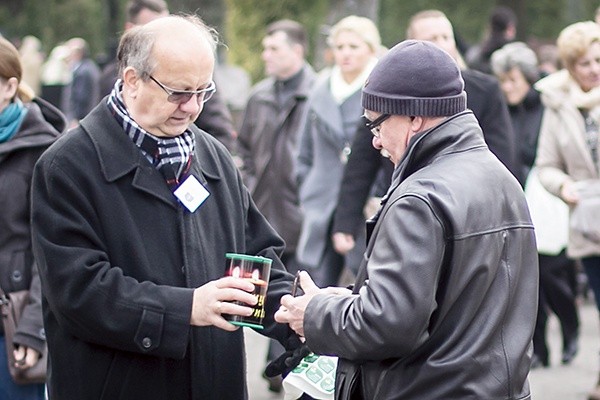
(28, 125)
(329, 126)
(567, 157)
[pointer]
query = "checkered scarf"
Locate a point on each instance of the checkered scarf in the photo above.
(171, 156)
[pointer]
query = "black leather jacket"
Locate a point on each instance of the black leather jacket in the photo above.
(445, 301)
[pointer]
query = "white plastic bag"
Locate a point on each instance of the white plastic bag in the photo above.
(314, 375)
(550, 216)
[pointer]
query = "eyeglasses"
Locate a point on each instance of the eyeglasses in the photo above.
(374, 125)
(183, 96)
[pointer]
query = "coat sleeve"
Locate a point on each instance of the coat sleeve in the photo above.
(497, 129)
(244, 145)
(305, 150)
(359, 176)
(30, 332)
(89, 297)
(549, 160)
(390, 315)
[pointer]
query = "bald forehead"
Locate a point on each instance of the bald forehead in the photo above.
(176, 29)
(180, 38)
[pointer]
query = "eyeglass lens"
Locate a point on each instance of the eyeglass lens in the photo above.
(181, 97)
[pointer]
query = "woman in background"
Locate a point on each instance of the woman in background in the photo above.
(334, 110)
(28, 126)
(567, 157)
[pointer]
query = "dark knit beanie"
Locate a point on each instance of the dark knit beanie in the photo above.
(415, 78)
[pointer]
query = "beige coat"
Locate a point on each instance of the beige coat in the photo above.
(563, 154)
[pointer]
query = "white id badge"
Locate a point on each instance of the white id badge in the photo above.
(191, 193)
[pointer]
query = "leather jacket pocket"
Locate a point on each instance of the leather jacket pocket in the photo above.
(347, 381)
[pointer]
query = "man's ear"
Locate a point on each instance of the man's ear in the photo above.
(417, 123)
(298, 49)
(131, 81)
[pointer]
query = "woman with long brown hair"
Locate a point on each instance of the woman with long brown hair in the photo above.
(28, 125)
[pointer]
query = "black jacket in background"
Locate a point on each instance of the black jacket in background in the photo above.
(526, 119)
(486, 100)
(360, 175)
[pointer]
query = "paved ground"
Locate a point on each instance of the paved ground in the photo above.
(574, 381)
(557, 382)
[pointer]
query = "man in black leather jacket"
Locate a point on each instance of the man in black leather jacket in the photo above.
(445, 300)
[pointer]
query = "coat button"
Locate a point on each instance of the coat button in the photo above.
(146, 342)
(17, 276)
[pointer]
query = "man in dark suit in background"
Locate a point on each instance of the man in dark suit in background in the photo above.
(82, 93)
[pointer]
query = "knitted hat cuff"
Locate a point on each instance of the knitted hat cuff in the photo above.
(415, 78)
(430, 106)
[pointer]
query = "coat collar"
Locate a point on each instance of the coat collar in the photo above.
(118, 155)
(325, 108)
(265, 90)
(458, 133)
(323, 104)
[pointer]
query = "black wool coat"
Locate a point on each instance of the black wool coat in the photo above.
(119, 259)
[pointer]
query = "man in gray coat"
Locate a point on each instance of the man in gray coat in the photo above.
(133, 212)
(268, 136)
(445, 301)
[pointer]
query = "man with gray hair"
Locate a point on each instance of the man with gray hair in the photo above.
(131, 242)
(216, 118)
(444, 303)
(82, 93)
